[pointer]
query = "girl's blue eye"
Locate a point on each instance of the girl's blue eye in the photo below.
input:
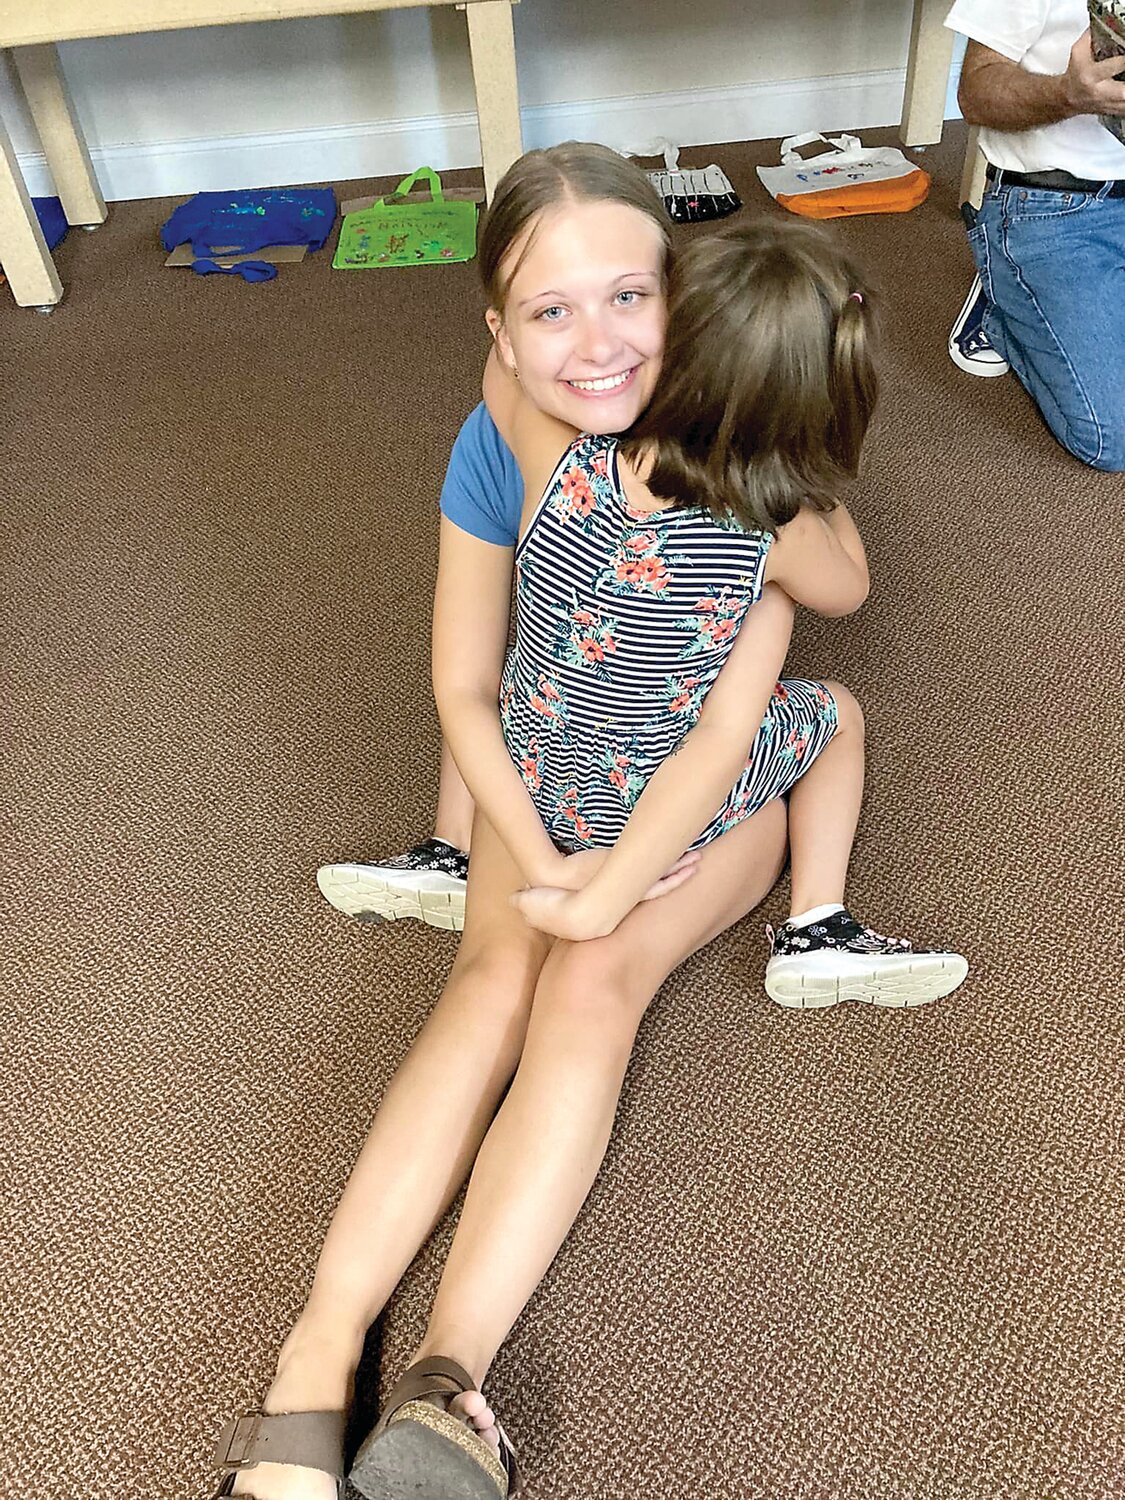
(547, 312)
(628, 297)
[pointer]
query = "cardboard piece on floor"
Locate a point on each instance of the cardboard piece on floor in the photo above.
(454, 195)
(277, 255)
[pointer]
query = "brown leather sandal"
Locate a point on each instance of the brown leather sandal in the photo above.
(420, 1451)
(312, 1439)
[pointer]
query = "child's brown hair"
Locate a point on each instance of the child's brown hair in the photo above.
(768, 383)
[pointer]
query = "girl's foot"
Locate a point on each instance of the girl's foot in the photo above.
(436, 1435)
(314, 1373)
(817, 963)
(476, 1411)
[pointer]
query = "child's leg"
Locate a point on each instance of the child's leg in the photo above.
(543, 1151)
(822, 954)
(417, 1154)
(824, 810)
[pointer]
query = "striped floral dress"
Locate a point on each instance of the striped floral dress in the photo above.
(623, 621)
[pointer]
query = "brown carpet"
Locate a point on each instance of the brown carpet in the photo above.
(863, 1254)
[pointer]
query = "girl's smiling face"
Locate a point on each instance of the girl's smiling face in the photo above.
(583, 319)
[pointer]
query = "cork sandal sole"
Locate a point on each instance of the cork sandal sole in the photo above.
(424, 1453)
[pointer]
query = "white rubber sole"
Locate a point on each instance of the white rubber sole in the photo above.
(986, 369)
(373, 893)
(815, 981)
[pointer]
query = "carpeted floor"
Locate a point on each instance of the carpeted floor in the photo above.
(857, 1255)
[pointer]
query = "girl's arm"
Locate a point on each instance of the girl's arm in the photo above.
(471, 608)
(685, 793)
(472, 605)
(818, 559)
(537, 439)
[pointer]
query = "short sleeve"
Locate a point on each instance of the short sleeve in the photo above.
(483, 489)
(1010, 27)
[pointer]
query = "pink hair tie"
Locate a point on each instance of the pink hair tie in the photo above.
(855, 296)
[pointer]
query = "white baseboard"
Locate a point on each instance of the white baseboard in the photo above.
(640, 124)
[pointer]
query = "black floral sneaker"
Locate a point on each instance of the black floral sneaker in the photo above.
(427, 882)
(838, 958)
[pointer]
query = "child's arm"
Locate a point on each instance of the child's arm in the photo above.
(685, 793)
(818, 559)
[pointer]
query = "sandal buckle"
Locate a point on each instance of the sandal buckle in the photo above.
(239, 1437)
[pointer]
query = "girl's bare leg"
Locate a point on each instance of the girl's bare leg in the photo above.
(824, 810)
(543, 1151)
(453, 820)
(415, 1158)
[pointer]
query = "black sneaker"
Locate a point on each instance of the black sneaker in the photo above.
(427, 882)
(970, 348)
(840, 959)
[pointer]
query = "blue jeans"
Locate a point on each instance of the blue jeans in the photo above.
(1053, 269)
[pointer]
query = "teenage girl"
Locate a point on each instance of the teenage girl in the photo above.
(616, 577)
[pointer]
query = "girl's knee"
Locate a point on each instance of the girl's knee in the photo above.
(849, 715)
(495, 979)
(593, 985)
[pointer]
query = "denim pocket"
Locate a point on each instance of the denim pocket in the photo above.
(1021, 204)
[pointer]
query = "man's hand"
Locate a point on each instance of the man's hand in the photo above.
(1092, 87)
(566, 912)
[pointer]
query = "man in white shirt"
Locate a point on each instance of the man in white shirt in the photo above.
(1049, 240)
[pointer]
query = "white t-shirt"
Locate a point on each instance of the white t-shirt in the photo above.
(1038, 34)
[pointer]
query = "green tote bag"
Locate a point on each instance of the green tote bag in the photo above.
(408, 234)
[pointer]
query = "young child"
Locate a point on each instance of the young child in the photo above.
(645, 556)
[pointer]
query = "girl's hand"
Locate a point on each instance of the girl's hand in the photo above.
(569, 914)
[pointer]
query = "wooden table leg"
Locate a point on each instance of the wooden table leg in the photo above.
(493, 49)
(927, 74)
(972, 178)
(24, 255)
(64, 146)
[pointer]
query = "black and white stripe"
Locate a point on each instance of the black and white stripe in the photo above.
(639, 687)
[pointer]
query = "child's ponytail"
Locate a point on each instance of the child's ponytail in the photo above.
(853, 383)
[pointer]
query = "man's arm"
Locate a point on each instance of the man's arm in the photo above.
(999, 93)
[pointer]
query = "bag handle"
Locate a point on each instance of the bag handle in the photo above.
(845, 148)
(433, 182)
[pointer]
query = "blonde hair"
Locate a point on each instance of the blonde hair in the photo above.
(768, 382)
(575, 172)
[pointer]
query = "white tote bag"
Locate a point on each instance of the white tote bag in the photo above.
(848, 178)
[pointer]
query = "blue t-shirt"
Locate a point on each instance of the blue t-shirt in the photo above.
(483, 489)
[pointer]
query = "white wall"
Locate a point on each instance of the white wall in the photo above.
(340, 97)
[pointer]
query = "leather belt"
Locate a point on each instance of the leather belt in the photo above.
(1053, 182)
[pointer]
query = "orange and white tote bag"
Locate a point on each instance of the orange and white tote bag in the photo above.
(849, 178)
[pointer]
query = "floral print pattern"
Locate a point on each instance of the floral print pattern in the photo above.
(641, 563)
(620, 766)
(586, 638)
(624, 620)
(712, 622)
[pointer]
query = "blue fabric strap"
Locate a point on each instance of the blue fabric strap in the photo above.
(249, 270)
